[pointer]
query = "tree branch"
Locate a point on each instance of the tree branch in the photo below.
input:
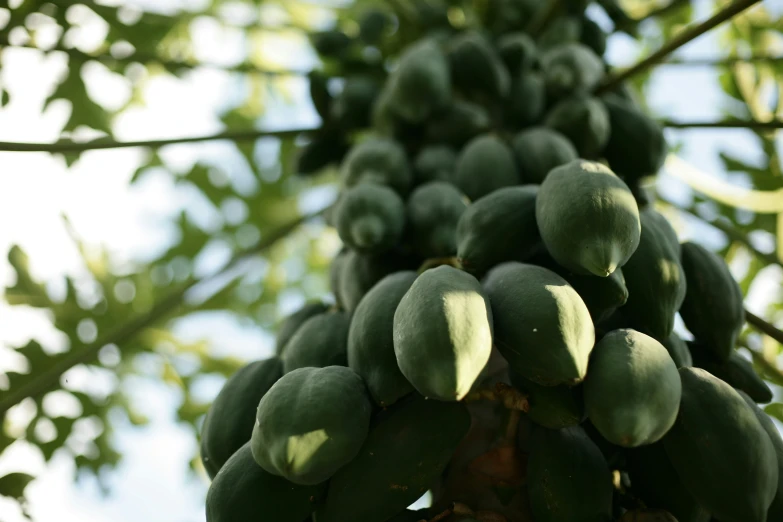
(675, 43)
(722, 60)
(763, 326)
(725, 124)
(49, 379)
(75, 146)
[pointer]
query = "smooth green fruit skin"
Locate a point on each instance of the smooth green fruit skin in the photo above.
(312, 422)
(291, 324)
(552, 407)
(435, 163)
(377, 160)
(720, 450)
(518, 52)
(736, 371)
(498, 227)
(568, 478)
(776, 509)
(713, 308)
(570, 69)
(421, 83)
(485, 164)
(593, 36)
(562, 30)
(370, 218)
(632, 391)
(229, 420)
(678, 350)
(321, 341)
(654, 480)
(358, 273)
(476, 67)
(443, 333)
(602, 295)
(542, 326)
(655, 278)
(585, 121)
(588, 218)
(433, 211)
(458, 124)
(243, 492)
(527, 102)
(352, 108)
(408, 448)
(538, 150)
(371, 339)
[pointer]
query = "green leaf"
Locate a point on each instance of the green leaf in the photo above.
(4, 98)
(84, 111)
(13, 484)
(775, 410)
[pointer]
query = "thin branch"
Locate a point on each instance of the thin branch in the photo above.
(721, 61)
(763, 326)
(725, 124)
(75, 146)
(675, 43)
(49, 379)
(770, 370)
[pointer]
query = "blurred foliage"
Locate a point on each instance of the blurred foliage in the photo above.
(97, 304)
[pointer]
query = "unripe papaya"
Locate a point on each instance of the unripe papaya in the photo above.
(421, 83)
(377, 160)
(571, 68)
(602, 295)
(245, 492)
(654, 480)
(636, 147)
(518, 52)
(585, 121)
(776, 509)
(312, 422)
(443, 333)
(527, 101)
(504, 16)
(458, 124)
(476, 69)
(359, 272)
(542, 326)
(713, 309)
(593, 36)
(335, 276)
(632, 392)
(321, 341)
(371, 339)
(560, 31)
(588, 218)
(373, 23)
(736, 371)
(552, 407)
(435, 163)
(567, 477)
(332, 43)
(433, 211)
(370, 218)
(655, 278)
(352, 108)
(229, 420)
(322, 150)
(538, 150)
(408, 447)
(498, 227)
(485, 165)
(291, 324)
(720, 450)
(678, 350)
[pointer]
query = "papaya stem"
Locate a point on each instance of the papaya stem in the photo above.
(688, 34)
(438, 261)
(441, 516)
(511, 398)
(512, 428)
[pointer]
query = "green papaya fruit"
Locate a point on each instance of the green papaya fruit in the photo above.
(431, 14)
(713, 308)
(359, 272)
(648, 515)
(602, 295)
(443, 333)
(720, 450)
(332, 43)
(322, 151)
(518, 52)
(370, 218)
(498, 227)
(229, 420)
(435, 163)
(421, 83)
(373, 23)
(321, 341)
(571, 68)
(655, 481)
(736, 371)
(593, 36)
(583, 120)
(377, 160)
(542, 326)
(311, 423)
(552, 407)
(407, 449)
(504, 16)
(538, 150)
(433, 211)
(458, 124)
(636, 147)
(614, 454)
(244, 492)
(587, 217)
(352, 108)
(291, 324)
(485, 165)
(335, 275)
(655, 278)
(527, 101)
(560, 31)
(371, 339)
(678, 350)
(567, 477)
(319, 93)
(476, 69)
(776, 509)
(632, 392)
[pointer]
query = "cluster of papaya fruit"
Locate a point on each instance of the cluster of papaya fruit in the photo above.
(495, 232)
